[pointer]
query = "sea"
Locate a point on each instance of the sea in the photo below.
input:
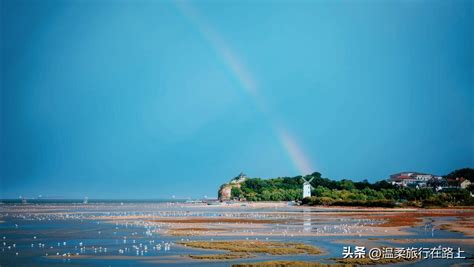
(50, 232)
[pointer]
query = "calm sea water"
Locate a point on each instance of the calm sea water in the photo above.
(29, 232)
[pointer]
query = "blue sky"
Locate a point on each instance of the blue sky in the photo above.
(148, 99)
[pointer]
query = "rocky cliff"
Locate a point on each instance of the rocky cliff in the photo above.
(225, 191)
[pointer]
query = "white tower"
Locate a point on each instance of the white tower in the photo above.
(307, 187)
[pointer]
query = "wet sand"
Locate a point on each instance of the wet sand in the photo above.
(172, 223)
(255, 219)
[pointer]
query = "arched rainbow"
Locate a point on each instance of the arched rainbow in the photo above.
(298, 158)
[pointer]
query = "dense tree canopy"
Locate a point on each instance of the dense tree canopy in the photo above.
(347, 192)
(466, 173)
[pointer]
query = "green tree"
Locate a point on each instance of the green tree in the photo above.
(236, 192)
(466, 173)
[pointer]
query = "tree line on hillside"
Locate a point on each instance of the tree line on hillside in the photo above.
(349, 193)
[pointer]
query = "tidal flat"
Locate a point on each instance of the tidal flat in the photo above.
(115, 233)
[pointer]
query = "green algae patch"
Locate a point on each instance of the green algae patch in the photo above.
(290, 263)
(368, 261)
(260, 247)
(237, 249)
(226, 256)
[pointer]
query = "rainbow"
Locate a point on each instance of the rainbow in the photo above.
(299, 159)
